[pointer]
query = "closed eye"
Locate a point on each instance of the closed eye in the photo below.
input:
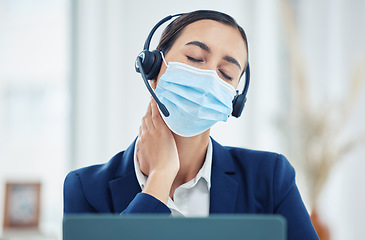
(194, 59)
(200, 60)
(225, 75)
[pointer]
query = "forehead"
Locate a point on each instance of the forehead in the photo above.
(219, 37)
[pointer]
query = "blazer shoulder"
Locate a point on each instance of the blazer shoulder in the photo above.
(271, 169)
(92, 187)
(249, 161)
(87, 189)
(101, 172)
(120, 164)
(259, 159)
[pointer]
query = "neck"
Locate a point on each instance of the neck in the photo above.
(192, 152)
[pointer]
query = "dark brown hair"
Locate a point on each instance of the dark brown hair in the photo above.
(174, 29)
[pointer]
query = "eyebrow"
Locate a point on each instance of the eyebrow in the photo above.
(232, 60)
(207, 49)
(200, 44)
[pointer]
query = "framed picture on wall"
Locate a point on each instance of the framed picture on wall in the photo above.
(22, 205)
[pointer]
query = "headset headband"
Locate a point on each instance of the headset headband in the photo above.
(162, 21)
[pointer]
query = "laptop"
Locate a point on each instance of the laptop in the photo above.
(138, 227)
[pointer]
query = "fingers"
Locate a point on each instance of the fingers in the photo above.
(156, 117)
(147, 123)
(149, 109)
(152, 121)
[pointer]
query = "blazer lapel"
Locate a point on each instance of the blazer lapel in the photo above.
(124, 187)
(224, 188)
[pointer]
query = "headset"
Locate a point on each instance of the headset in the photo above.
(148, 64)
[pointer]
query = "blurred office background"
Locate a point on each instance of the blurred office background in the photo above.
(69, 95)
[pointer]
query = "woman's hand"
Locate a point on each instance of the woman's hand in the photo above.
(157, 154)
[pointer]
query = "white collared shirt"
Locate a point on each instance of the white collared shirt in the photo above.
(191, 199)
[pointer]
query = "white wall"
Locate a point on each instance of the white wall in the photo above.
(33, 101)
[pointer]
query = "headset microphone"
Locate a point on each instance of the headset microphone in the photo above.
(162, 107)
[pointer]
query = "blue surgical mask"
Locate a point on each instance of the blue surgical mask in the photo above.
(196, 98)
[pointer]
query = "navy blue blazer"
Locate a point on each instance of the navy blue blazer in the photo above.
(242, 181)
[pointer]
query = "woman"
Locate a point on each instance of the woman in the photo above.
(174, 167)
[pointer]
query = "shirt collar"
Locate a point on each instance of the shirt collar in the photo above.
(204, 172)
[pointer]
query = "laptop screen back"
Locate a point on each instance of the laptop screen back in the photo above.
(138, 227)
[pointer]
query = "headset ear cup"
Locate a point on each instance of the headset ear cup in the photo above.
(147, 59)
(238, 105)
(156, 65)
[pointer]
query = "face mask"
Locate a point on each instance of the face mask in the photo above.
(196, 98)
